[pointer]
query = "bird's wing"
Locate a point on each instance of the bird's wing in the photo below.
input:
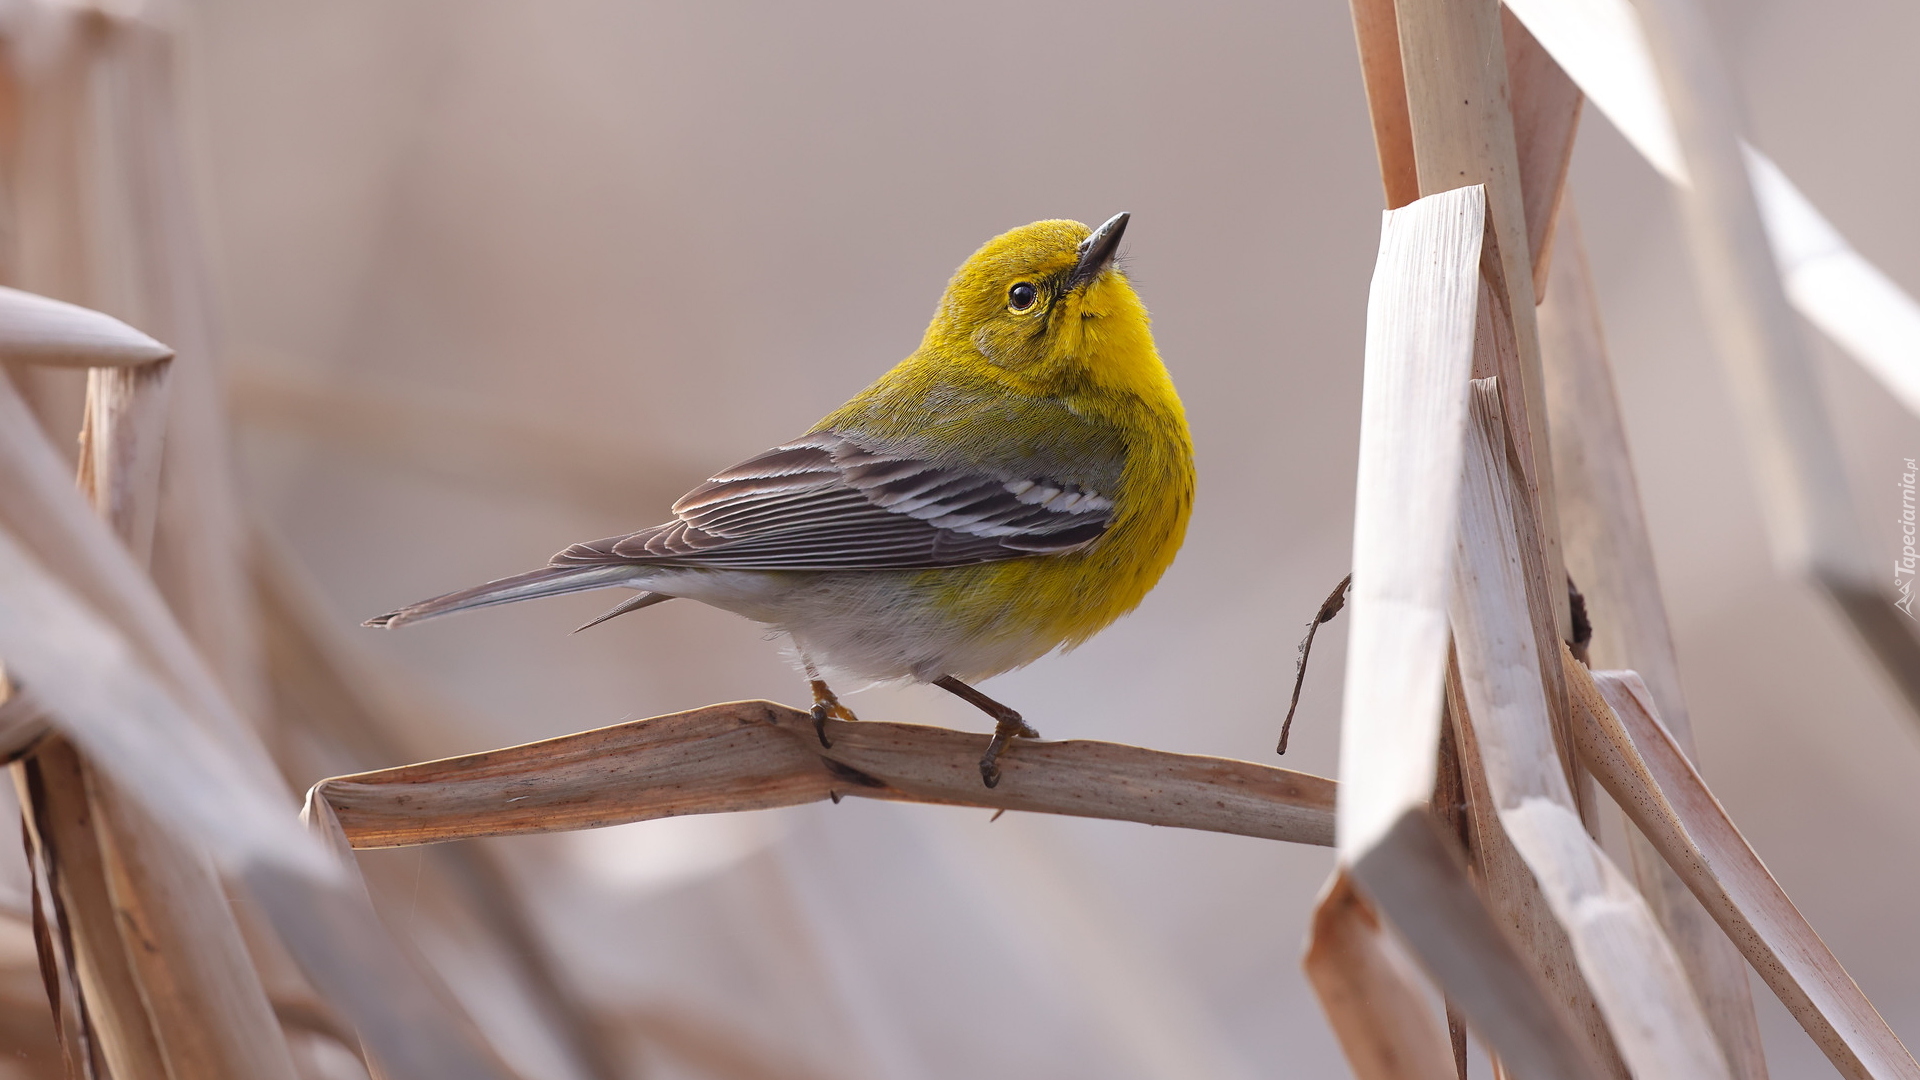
(827, 502)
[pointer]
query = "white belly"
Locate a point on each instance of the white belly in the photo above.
(864, 624)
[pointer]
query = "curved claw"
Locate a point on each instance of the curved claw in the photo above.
(819, 714)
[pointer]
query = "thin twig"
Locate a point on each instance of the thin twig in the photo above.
(1329, 607)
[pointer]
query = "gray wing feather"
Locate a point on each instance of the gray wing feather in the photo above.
(827, 502)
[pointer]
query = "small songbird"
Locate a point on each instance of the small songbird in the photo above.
(1018, 483)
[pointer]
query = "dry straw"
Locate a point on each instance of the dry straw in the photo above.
(1617, 984)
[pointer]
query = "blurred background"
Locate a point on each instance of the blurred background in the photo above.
(492, 277)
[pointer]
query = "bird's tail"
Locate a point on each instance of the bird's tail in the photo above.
(546, 581)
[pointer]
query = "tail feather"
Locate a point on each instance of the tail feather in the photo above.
(546, 581)
(633, 603)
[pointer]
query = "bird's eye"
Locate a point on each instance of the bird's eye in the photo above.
(1022, 296)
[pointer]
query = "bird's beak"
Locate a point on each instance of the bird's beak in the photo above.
(1097, 251)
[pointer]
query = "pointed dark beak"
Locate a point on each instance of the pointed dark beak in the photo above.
(1097, 251)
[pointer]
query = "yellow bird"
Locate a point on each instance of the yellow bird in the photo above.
(1014, 486)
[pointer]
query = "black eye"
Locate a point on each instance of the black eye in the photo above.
(1022, 296)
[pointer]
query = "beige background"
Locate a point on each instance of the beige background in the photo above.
(590, 251)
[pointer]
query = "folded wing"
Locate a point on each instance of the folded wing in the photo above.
(827, 502)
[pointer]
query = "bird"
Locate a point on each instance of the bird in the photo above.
(1016, 484)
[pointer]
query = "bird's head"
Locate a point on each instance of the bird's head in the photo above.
(1046, 304)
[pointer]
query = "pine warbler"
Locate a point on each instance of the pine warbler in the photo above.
(1012, 487)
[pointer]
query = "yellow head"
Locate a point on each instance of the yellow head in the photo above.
(1045, 304)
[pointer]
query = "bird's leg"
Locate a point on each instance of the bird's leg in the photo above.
(825, 704)
(1007, 725)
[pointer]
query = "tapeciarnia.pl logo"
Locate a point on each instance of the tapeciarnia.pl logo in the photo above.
(1909, 561)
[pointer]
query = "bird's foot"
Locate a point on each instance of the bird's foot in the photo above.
(825, 705)
(1008, 728)
(1007, 725)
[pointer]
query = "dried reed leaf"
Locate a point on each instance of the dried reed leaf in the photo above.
(1611, 557)
(1623, 742)
(50, 519)
(324, 690)
(110, 121)
(1600, 45)
(1545, 106)
(116, 1016)
(754, 755)
(86, 675)
(1638, 981)
(53, 943)
(90, 681)
(405, 1018)
(1513, 893)
(1376, 30)
(1420, 343)
(1452, 53)
(1420, 333)
(206, 998)
(1465, 129)
(1497, 357)
(121, 440)
(203, 992)
(1378, 1003)
(206, 1013)
(1546, 109)
(40, 330)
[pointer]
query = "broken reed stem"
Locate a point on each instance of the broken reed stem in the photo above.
(1640, 764)
(1546, 107)
(1464, 131)
(1513, 893)
(122, 437)
(322, 689)
(1610, 554)
(56, 793)
(1419, 357)
(1450, 811)
(106, 108)
(108, 669)
(1453, 58)
(42, 331)
(1378, 1003)
(203, 990)
(1637, 981)
(175, 988)
(53, 939)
